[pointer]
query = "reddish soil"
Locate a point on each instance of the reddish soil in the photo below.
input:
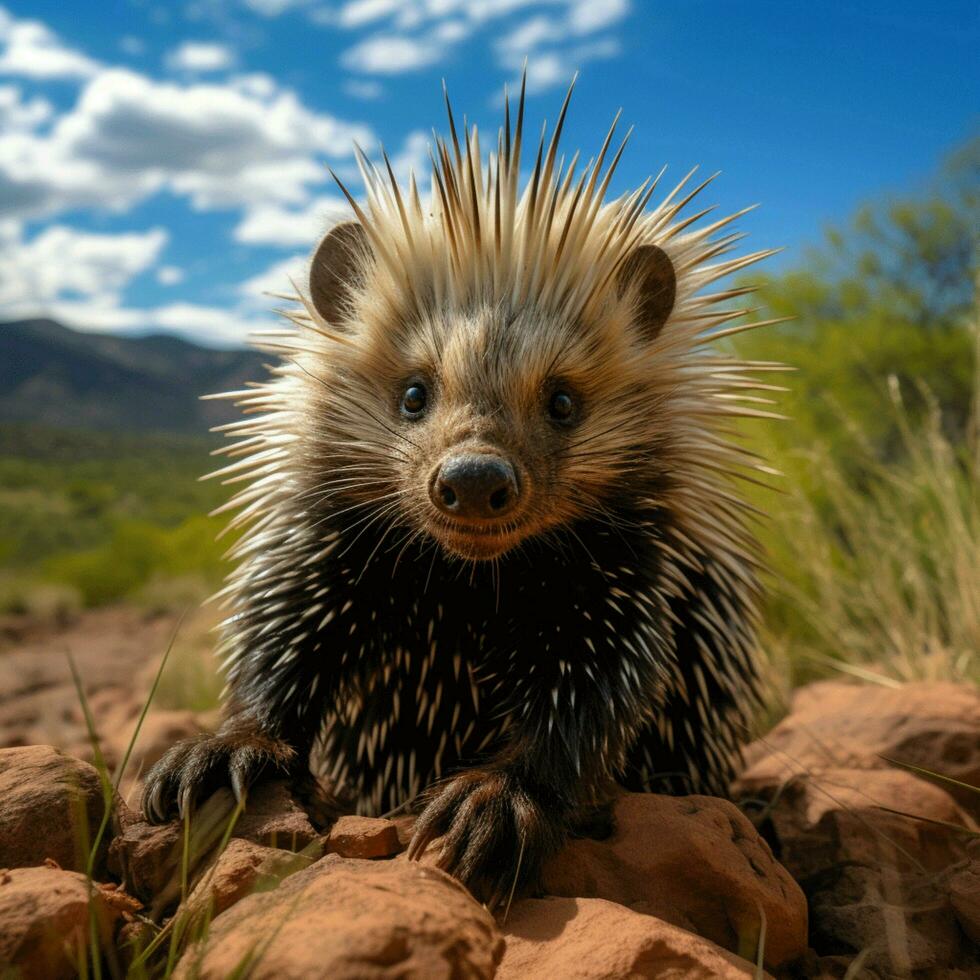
(854, 866)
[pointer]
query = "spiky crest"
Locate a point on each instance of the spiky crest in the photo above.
(555, 245)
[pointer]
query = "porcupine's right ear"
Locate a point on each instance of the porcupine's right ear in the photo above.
(649, 271)
(336, 269)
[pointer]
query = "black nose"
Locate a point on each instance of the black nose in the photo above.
(475, 485)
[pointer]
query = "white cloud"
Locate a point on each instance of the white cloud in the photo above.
(409, 14)
(413, 34)
(361, 12)
(256, 84)
(199, 56)
(278, 278)
(587, 16)
(169, 275)
(129, 121)
(557, 46)
(64, 263)
(273, 8)
(240, 143)
(210, 324)
(550, 68)
(413, 157)
(77, 277)
(527, 36)
(390, 54)
(20, 115)
(363, 88)
(287, 227)
(451, 31)
(270, 224)
(582, 18)
(30, 49)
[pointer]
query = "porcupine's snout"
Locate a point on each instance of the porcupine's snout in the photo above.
(475, 486)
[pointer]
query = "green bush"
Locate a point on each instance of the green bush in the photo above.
(135, 552)
(874, 541)
(876, 563)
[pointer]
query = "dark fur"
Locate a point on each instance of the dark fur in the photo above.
(513, 802)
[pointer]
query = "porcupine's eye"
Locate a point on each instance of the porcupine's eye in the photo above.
(561, 407)
(413, 401)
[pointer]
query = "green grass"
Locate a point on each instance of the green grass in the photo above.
(206, 835)
(192, 680)
(875, 555)
(104, 517)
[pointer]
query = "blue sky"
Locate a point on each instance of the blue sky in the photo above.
(161, 164)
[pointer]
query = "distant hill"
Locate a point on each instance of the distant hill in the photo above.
(54, 376)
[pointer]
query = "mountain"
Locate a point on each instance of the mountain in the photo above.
(62, 378)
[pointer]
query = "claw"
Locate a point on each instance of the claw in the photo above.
(237, 786)
(416, 847)
(194, 768)
(185, 800)
(153, 802)
(478, 818)
(425, 834)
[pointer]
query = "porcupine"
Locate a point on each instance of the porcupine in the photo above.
(496, 561)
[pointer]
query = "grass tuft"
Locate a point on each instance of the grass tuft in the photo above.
(876, 560)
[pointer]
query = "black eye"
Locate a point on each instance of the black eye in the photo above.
(413, 401)
(561, 406)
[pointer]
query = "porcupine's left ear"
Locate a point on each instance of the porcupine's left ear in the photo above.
(335, 270)
(649, 272)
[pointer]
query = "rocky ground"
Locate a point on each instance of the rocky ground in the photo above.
(837, 862)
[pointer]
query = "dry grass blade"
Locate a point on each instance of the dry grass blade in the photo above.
(919, 771)
(108, 794)
(146, 704)
(760, 954)
(880, 558)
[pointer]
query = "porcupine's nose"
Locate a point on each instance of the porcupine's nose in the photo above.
(475, 485)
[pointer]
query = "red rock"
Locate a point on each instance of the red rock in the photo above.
(830, 817)
(144, 856)
(695, 862)
(273, 818)
(869, 843)
(833, 968)
(832, 724)
(901, 922)
(148, 857)
(352, 920)
(592, 939)
(44, 922)
(243, 868)
(50, 807)
(117, 899)
(132, 938)
(363, 837)
(964, 894)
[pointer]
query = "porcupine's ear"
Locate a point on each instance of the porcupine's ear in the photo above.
(650, 273)
(336, 269)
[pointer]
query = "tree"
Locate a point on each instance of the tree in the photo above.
(889, 296)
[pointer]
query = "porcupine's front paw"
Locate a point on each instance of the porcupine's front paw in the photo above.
(194, 768)
(494, 833)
